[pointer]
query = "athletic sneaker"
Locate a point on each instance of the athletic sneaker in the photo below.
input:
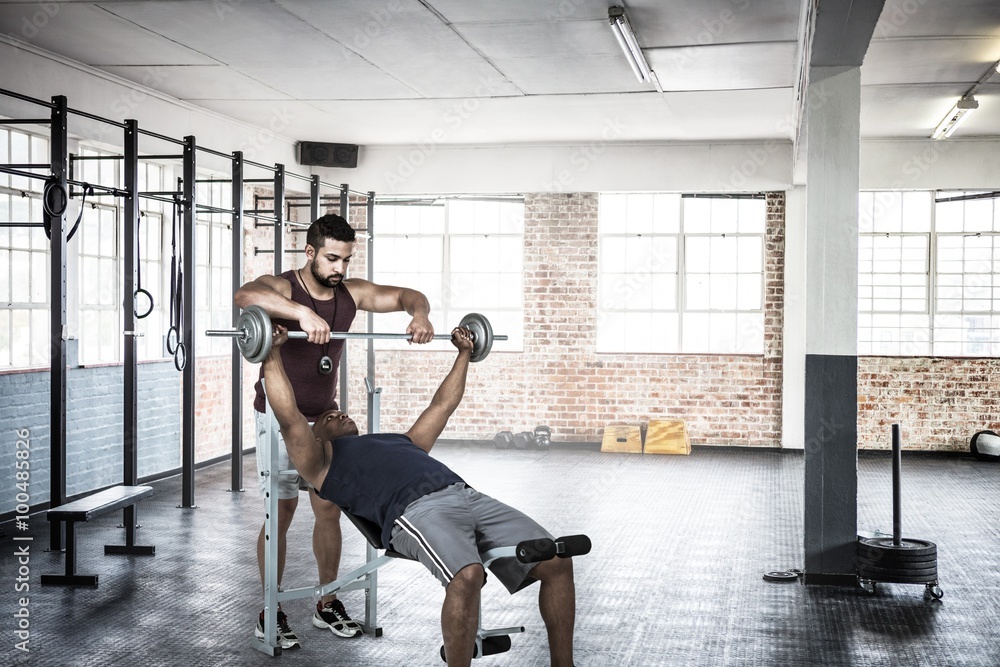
(286, 638)
(332, 615)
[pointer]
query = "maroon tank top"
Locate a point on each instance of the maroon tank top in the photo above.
(315, 393)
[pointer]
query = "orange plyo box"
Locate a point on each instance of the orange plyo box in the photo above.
(667, 436)
(622, 438)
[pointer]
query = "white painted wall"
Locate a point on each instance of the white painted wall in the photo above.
(794, 337)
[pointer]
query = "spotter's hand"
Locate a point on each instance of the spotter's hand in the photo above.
(421, 330)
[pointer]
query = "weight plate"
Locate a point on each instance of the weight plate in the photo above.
(780, 575)
(255, 341)
(890, 561)
(876, 545)
(482, 335)
(897, 554)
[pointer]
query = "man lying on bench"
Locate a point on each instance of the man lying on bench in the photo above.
(425, 511)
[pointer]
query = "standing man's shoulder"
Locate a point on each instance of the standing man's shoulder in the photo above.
(245, 294)
(364, 292)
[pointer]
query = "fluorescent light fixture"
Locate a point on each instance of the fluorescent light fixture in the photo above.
(630, 46)
(962, 110)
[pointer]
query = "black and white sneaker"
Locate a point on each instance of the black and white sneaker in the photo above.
(333, 616)
(286, 638)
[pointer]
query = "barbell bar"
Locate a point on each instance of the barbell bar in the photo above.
(253, 334)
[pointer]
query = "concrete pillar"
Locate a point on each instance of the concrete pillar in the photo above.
(833, 107)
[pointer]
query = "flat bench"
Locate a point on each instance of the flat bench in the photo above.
(91, 507)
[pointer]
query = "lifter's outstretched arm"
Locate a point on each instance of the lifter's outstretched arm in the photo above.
(425, 431)
(307, 454)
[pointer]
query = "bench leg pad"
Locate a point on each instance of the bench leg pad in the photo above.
(124, 549)
(69, 580)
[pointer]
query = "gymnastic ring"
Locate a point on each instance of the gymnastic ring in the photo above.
(54, 209)
(173, 340)
(180, 357)
(148, 310)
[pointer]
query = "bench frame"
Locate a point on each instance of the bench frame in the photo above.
(91, 507)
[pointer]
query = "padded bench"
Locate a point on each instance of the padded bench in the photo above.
(497, 640)
(92, 507)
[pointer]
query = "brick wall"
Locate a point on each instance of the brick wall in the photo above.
(94, 414)
(939, 403)
(561, 381)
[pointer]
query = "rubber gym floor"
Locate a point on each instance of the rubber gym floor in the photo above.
(674, 578)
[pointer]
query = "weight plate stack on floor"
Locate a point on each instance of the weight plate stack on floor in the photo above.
(909, 562)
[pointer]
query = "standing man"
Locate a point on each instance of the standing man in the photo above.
(318, 298)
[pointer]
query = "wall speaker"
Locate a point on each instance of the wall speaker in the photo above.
(317, 154)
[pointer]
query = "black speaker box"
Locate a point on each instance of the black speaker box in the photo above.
(317, 154)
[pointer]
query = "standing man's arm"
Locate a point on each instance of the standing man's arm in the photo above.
(306, 453)
(274, 294)
(389, 299)
(425, 431)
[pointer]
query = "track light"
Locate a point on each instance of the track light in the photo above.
(962, 110)
(630, 46)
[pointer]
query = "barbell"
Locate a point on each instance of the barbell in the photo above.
(253, 334)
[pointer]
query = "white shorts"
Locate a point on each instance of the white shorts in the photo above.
(288, 485)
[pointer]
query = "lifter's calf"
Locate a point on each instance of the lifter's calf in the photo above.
(326, 540)
(460, 615)
(557, 604)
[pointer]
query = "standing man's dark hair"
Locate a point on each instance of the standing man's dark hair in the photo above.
(330, 226)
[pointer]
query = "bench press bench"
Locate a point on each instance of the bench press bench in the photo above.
(496, 640)
(92, 507)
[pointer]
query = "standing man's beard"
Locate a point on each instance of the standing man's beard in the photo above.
(326, 281)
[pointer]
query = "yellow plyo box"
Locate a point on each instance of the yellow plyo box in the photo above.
(667, 436)
(622, 438)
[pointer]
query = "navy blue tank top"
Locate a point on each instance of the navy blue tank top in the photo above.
(315, 393)
(375, 476)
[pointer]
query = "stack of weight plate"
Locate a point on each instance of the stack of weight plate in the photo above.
(907, 562)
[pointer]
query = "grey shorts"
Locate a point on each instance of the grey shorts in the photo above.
(451, 528)
(288, 485)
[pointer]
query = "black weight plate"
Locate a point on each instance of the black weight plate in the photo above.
(780, 575)
(906, 546)
(890, 562)
(900, 554)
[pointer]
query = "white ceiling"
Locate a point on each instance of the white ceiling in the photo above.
(400, 72)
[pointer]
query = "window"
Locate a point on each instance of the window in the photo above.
(681, 274)
(152, 214)
(214, 268)
(24, 257)
(967, 280)
(464, 254)
(929, 274)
